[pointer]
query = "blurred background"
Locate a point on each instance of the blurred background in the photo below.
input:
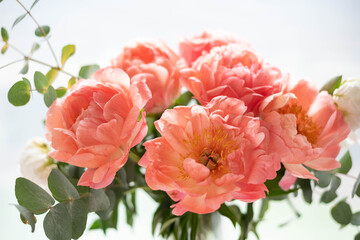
(314, 40)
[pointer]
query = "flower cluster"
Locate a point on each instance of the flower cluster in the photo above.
(249, 122)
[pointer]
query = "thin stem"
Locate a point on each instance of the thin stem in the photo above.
(349, 176)
(48, 65)
(16, 49)
(16, 61)
(43, 32)
(291, 205)
(131, 190)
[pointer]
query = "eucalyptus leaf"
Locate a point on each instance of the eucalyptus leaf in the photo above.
(32, 197)
(41, 82)
(18, 19)
(19, 94)
(341, 213)
(27, 82)
(79, 212)
(324, 178)
(27, 215)
(98, 200)
(346, 163)
(106, 214)
(71, 82)
(328, 197)
(4, 48)
(51, 75)
(306, 189)
(60, 187)
(355, 219)
(67, 52)
(25, 68)
(61, 91)
(42, 31)
(34, 47)
(57, 222)
(34, 3)
(50, 96)
(4, 34)
(87, 71)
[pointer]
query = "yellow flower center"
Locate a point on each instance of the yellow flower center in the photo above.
(211, 148)
(304, 123)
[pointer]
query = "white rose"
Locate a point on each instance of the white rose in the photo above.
(35, 164)
(347, 99)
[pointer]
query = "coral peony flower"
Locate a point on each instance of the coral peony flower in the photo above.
(193, 47)
(159, 67)
(233, 72)
(209, 155)
(35, 164)
(347, 99)
(307, 129)
(97, 123)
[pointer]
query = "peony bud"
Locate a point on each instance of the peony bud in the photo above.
(35, 164)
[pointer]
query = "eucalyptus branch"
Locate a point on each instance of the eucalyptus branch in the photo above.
(11, 63)
(347, 175)
(16, 49)
(42, 31)
(48, 65)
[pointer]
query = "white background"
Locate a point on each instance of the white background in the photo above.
(315, 40)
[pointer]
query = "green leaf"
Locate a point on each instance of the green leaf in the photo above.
(50, 96)
(335, 183)
(168, 223)
(106, 214)
(25, 68)
(332, 84)
(19, 19)
(67, 52)
(34, 47)
(98, 200)
(41, 82)
(357, 237)
(346, 163)
(57, 222)
(341, 212)
(61, 188)
(51, 75)
(71, 82)
(27, 215)
(324, 178)
(79, 212)
(32, 197)
(328, 197)
(61, 91)
(4, 48)
(356, 188)
(184, 99)
(226, 211)
(87, 71)
(19, 94)
(4, 34)
(42, 31)
(194, 225)
(355, 219)
(34, 3)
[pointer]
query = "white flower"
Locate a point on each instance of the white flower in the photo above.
(347, 99)
(35, 164)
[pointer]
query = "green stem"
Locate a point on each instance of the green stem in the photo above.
(247, 222)
(42, 31)
(134, 156)
(16, 61)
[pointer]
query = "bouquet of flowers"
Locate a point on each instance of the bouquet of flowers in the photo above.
(199, 131)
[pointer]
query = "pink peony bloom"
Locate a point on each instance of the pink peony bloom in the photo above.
(209, 155)
(234, 72)
(158, 66)
(193, 47)
(97, 123)
(307, 129)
